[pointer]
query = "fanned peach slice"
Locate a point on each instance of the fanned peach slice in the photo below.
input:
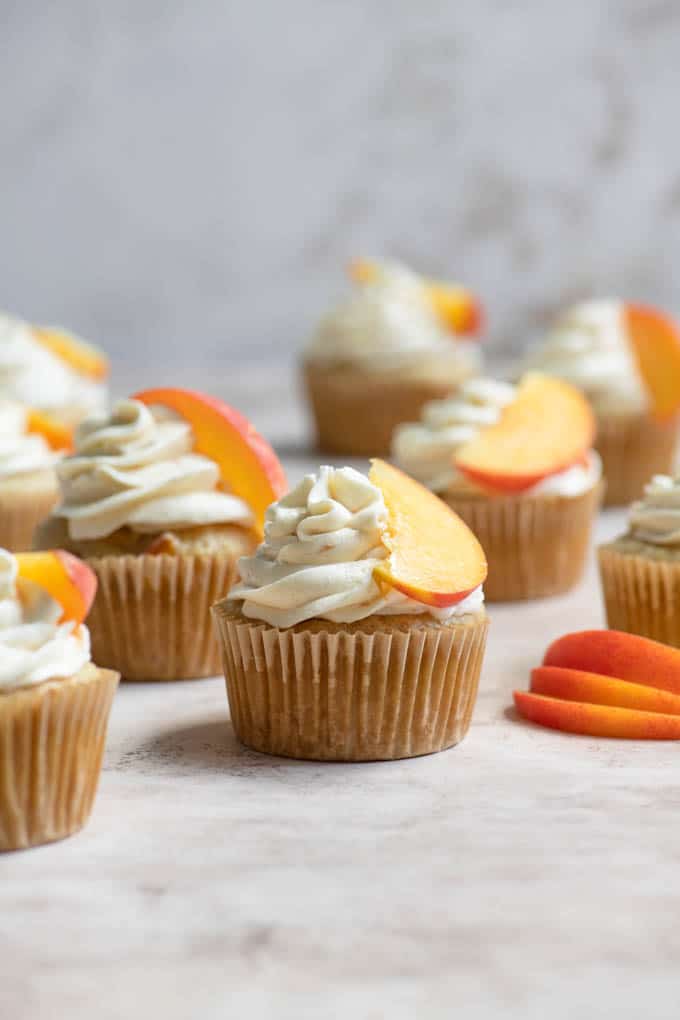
(79, 355)
(67, 579)
(435, 558)
(617, 654)
(546, 429)
(577, 685)
(247, 463)
(655, 340)
(57, 435)
(596, 720)
(457, 307)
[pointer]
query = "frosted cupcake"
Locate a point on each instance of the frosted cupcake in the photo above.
(616, 354)
(358, 628)
(640, 571)
(396, 342)
(54, 703)
(515, 463)
(161, 497)
(51, 370)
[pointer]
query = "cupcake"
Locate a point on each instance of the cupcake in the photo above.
(515, 463)
(50, 369)
(29, 449)
(640, 571)
(54, 703)
(357, 630)
(607, 348)
(396, 342)
(161, 498)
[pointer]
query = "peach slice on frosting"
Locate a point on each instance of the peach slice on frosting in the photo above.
(614, 653)
(67, 579)
(458, 308)
(247, 463)
(435, 558)
(596, 720)
(57, 435)
(547, 428)
(655, 340)
(82, 357)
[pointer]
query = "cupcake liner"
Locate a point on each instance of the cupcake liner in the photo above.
(356, 412)
(641, 595)
(151, 615)
(535, 545)
(51, 746)
(633, 448)
(21, 513)
(380, 689)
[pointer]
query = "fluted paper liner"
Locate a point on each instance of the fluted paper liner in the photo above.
(535, 546)
(151, 615)
(641, 595)
(20, 515)
(380, 689)
(51, 746)
(356, 412)
(633, 448)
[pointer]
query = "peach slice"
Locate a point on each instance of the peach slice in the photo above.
(79, 355)
(618, 654)
(457, 307)
(435, 558)
(67, 579)
(57, 435)
(546, 429)
(247, 463)
(596, 720)
(577, 685)
(655, 340)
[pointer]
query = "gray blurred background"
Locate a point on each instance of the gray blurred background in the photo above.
(186, 180)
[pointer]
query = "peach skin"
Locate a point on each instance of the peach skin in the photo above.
(57, 435)
(248, 464)
(435, 558)
(577, 685)
(618, 654)
(81, 356)
(63, 576)
(655, 340)
(596, 720)
(547, 428)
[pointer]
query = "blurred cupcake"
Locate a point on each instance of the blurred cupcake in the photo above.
(396, 342)
(51, 370)
(640, 571)
(161, 498)
(621, 357)
(54, 703)
(358, 629)
(29, 449)
(515, 463)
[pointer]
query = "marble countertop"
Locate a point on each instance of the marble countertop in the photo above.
(522, 874)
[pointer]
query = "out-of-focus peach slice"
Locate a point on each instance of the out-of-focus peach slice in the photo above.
(618, 654)
(79, 355)
(578, 685)
(67, 579)
(655, 340)
(57, 435)
(596, 720)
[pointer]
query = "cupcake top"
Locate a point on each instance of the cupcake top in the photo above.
(21, 452)
(426, 450)
(32, 373)
(656, 517)
(322, 544)
(388, 321)
(589, 347)
(136, 468)
(34, 645)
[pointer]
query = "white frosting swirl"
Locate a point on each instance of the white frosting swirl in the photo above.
(588, 347)
(34, 647)
(21, 452)
(33, 375)
(322, 543)
(426, 449)
(135, 468)
(388, 323)
(656, 517)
